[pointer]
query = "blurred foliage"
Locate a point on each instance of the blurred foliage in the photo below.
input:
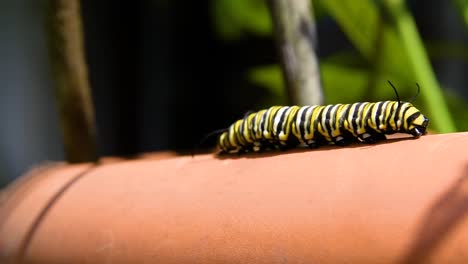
(386, 46)
(235, 18)
(462, 7)
(269, 76)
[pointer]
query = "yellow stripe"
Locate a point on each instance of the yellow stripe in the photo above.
(238, 135)
(257, 130)
(383, 116)
(312, 128)
(248, 133)
(362, 116)
(391, 112)
(321, 126)
(411, 110)
(222, 142)
(268, 134)
(400, 120)
(232, 140)
(418, 121)
(336, 130)
(288, 122)
(372, 122)
(296, 123)
(348, 125)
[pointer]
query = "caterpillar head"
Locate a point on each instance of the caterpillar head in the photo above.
(416, 123)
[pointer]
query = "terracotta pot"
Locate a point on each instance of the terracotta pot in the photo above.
(403, 201)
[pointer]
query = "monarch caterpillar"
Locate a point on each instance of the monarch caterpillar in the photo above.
(283, 127)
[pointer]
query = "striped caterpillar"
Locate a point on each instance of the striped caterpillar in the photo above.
(283, 127)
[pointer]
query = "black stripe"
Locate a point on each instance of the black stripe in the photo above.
(224, 143)
(236, 135)
(280, 127)
(272, 123)
(377, 116)
(388, 117)
(344, 116)
(228, 142)
(269, 124)
(262, 123)
(403, 121)
(396, 117)
(412, 117)
(241, 130)
(319, 119)
(356, 113)
(304, 123)
(367, 117)
(335, 117)
(252, 127)
(271, 118)
(329, 120)
(292, 121)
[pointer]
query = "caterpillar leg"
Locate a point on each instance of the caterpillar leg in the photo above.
(248, 149)
(313, 144)
(343, 141)
(283, 146)
(372, 138)
(317, 141)
(287, 144)
(258, 147)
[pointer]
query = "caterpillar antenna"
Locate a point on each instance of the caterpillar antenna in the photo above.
(205, 138)
(396, 92)
(416, 95)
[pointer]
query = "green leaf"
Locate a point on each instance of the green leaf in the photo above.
(462, 8)
(401, 55)
(234, 18)
(459, 108)
(420, 65)
(361, 22)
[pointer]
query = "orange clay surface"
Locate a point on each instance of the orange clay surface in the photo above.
(403, 201)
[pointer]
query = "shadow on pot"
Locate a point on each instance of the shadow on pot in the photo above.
(440, 220)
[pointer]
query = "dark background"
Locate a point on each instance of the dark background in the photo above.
(161, 76)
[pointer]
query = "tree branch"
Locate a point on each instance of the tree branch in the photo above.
(296, 40)
(70, 73)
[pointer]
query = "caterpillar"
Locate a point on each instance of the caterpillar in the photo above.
(284, 127)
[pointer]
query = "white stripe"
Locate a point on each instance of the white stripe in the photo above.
(358, 119)
(309, 133)
(324, 115)
(298, 121)
(283, 125)
(349, 118)
(374, 112)
(382, 115)
(266, 133)
(258, 132)
(279, 113)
